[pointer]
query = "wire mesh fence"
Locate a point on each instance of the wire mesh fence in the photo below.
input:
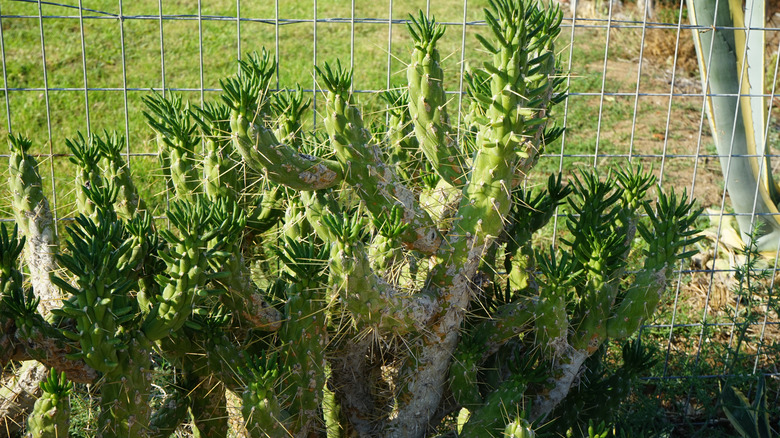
(634, 95)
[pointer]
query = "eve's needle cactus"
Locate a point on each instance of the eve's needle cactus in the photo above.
(346, 281)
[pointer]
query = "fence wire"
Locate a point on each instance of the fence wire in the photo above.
(635, 95)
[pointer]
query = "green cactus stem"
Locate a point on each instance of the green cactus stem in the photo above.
(370, 300)
(670, 233)
(599, 249)
(222, 184)
(490, 419)
(375, 182)
(394, 271)
(295, 224)
(117, 172)
(177, 140)
(267, 209)
(386, 250)
(170, 414)
(262, 151)
(87, 157)
(304, 336)
(551, 322)
(331, 412)
(463, 375)
(289, 108)
(599, 394)
(208, 407)
(100, 302)
(402, 145)
(18, 390)
(10, 248)
(262, 412)
(243, 296)
(672, 219)
(124, 393)
(101, 307)
(530, 212)
(50, 417)
(428, 102)
(188, 259)
(523, 78)
(220, 167)
(519, 428)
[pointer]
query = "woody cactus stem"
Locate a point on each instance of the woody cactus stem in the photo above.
(24, 327)
(35, 221)
(34, 218)
(524, 42)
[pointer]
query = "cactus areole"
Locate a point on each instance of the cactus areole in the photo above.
(394, 283)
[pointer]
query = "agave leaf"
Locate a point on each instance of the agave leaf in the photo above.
(731, 63)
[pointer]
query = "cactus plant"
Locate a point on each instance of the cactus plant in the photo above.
(389, 272)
